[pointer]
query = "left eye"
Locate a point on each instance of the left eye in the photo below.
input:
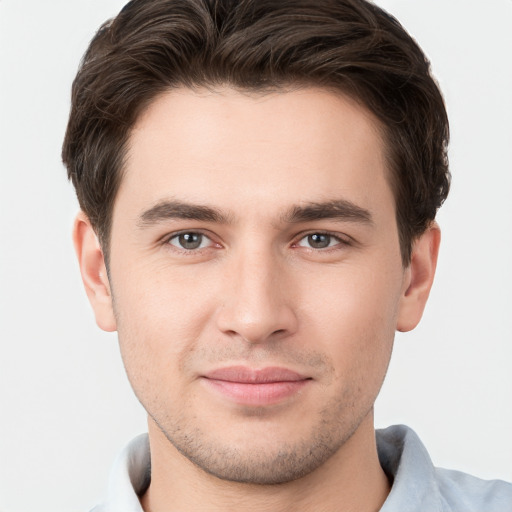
(190, 241)
(318, 241)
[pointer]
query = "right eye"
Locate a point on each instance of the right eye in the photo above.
(190, 241)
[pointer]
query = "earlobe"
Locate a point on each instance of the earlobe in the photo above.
(418, 278)
(94, 273)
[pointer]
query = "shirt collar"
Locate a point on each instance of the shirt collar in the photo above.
(129, 478)
(409, 468)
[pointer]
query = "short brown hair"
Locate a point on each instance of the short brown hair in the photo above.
(351, 46)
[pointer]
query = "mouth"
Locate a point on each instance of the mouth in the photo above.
(255, 386)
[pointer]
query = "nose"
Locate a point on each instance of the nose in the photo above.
(257, 302)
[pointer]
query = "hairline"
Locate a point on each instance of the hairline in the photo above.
(280, 87)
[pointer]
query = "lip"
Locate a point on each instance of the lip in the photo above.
(255, 386)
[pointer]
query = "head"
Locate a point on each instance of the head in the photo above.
(263, 178)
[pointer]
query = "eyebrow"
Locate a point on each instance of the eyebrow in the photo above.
(166, 210)
(340, 209)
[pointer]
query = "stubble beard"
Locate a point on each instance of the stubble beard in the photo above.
(269, 465)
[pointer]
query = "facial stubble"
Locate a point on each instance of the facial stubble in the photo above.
(250, 462)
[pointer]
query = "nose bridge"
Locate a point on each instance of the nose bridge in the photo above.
(256, 304)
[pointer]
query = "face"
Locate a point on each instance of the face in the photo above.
(256, 276)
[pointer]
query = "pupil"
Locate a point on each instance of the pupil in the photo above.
(190, 240)
(319, 241)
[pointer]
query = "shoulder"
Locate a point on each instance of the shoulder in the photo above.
(418, 486)
(468, 493)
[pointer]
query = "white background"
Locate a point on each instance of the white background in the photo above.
(66, 407)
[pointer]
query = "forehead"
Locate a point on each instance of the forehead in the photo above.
(239, 149)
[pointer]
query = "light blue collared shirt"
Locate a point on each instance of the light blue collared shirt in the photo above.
(417, 486)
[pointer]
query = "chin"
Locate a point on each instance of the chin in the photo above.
(260, 456)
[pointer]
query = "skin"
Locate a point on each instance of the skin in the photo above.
(259, 291)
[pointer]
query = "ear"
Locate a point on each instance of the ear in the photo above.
(94, 272)
(418, 278)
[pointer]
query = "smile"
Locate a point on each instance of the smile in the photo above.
(257, 387)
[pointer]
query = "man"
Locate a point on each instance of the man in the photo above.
(259, 182)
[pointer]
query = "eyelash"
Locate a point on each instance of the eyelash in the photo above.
(340, 241)
(183, 250)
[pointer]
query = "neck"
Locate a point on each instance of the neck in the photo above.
(352, 479)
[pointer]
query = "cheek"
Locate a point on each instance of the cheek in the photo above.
(160, 321)
(157, 298)
(353, 319)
